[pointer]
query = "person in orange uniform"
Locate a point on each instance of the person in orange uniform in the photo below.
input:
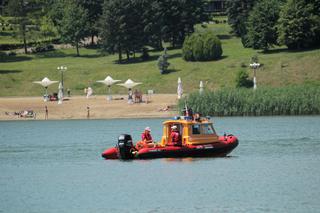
(146, 139)
(175, 137)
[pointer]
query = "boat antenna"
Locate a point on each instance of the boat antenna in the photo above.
(186, 107)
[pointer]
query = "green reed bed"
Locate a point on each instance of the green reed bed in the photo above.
(290, 100)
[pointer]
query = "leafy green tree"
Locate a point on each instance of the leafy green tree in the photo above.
(24, 13)
(74, 26)
(152, 23)
(94, 10)
(262, 30)
(47, 28)
(299, 24)
(129, 25)
(179, 17)
(120, 31)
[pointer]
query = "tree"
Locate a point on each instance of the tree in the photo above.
(24, 13)
(262, 22)
(152, 22)
(238, 13)
(47, 28)
(178, 18)
(73, 27)
(94, 10)
(129, 25)
(299, 24)
(121, 30)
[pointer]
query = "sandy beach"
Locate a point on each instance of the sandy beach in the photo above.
(99, 108)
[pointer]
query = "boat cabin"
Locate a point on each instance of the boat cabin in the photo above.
(192, 132)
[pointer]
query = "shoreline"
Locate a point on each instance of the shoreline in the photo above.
(75, 107)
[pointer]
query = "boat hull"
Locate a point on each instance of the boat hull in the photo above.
(217, 149)
(211, 150)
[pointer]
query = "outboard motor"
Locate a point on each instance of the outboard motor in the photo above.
(125, 147)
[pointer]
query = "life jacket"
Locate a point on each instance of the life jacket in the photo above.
(142, 144)
(146, 136)
(175, 139)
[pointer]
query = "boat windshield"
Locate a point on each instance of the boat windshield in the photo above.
(204, 129)
(208, 129)
(196, 129)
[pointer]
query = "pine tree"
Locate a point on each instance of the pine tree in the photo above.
(238, 13)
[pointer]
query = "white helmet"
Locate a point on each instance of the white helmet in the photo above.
(174, 127)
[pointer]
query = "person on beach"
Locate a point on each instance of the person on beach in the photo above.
(88, 112)
(146, 139)
(130, 98)
(46, 113)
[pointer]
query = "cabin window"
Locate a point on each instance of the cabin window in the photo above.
(208, 129)
(196, 129)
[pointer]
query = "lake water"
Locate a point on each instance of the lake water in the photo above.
(56, 166)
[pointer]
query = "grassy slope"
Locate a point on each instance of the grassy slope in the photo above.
(279, 68)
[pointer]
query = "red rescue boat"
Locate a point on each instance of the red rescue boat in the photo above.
(198, 139)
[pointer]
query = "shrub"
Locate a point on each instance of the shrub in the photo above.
(163, 63)
(187, 48)
(212, 47)
(41, 47)
(203, 46)
(197, 48)
(242, 79)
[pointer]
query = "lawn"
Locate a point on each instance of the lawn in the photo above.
(280, 67)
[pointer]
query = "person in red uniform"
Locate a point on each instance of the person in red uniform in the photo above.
(146, 139)
(175, 137)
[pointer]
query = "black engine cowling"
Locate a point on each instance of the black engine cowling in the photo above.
(125, 147)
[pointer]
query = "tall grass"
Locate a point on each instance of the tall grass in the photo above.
(290, 100)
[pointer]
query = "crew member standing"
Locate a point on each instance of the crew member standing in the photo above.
(175, 137)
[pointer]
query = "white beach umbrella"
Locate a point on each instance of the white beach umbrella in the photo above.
(201, 87)
(108, 81)
(60, 93)
(45, 83)
(129, 84)
(179, 89)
